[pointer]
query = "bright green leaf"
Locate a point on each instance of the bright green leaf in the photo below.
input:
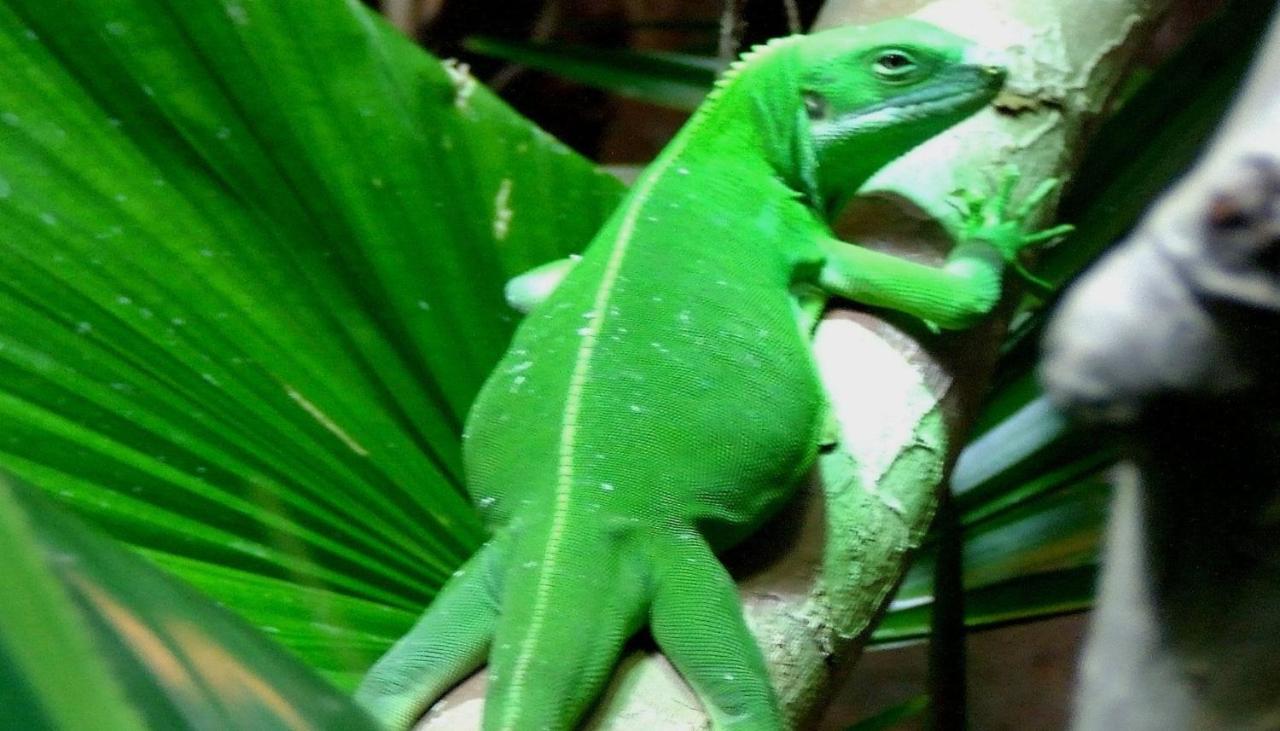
(252, 259)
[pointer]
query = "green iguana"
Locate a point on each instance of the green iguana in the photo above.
(661, 401)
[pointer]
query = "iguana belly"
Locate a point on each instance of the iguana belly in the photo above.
(696, 404)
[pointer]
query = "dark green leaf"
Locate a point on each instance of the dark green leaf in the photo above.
(1020, 600)
(668, 79)
(1011, 559)
(894, 715)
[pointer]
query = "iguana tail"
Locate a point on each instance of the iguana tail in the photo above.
(567, 614)
(566, 611)
(568, 608)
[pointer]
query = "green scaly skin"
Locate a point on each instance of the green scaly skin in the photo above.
(662, 401)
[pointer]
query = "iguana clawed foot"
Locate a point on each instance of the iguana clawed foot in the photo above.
(988, 213)
(551, 645)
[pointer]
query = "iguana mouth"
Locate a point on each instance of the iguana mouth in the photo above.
(956, 86)
(961, 89)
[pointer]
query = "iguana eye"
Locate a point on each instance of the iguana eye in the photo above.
(894, 65)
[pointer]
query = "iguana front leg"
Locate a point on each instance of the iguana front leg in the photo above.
(963, 290)
(528, 290)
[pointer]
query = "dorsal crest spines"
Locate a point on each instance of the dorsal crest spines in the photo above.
(748, 59)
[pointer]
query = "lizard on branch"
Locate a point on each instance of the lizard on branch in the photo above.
(660, 400)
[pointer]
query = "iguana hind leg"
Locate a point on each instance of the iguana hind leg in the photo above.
(449, 642)
(697, 621)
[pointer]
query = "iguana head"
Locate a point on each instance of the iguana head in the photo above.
(871, 93)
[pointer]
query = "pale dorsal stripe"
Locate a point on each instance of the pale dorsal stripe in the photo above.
(573, 404)
(569, 435)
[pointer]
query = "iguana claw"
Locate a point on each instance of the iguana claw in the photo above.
(987, 217)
